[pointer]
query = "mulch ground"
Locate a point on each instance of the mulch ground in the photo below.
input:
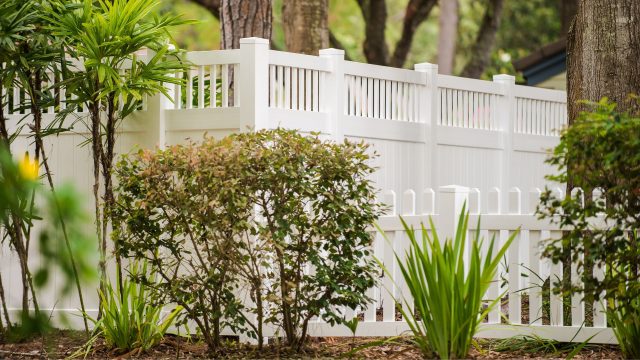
(62, 344)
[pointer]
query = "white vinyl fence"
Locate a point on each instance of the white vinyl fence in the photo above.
(429, 130)
(524, 309)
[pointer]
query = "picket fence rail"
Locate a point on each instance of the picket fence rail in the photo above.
(429, 130)
(519, 279)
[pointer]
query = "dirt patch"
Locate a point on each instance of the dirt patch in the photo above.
(62, 344)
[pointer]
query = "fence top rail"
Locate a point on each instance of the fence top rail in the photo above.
(308, 62)
(534, 93)
(213, 57)
(460, 83)
(384, 73)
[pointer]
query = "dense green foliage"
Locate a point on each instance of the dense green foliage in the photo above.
(600, 153)
(447, 286)
(245, 218)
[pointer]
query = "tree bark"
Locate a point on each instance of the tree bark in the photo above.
(447, 35)
(306, 25)
(603, 49)
(244, 18)
(485, 41)
(416, 13)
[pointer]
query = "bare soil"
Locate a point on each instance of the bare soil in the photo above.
(62, 344)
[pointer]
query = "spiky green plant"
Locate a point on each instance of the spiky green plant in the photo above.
(447, 296)
(129, 320)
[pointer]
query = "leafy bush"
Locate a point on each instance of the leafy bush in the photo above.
(130, 320)
(447, 298)
(600, 152)
(264, 227)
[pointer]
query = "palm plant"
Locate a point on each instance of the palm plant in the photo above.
(110, 79)
(447, 288)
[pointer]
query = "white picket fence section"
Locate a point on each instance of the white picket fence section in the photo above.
(429, 130)
(521, 274)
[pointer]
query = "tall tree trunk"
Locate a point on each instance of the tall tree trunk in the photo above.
(244, 18)
(306, 25)
(447, 35)
(568, 9)
(603, 49)
(485, 41)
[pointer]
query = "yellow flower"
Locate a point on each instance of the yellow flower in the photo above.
(28, 168)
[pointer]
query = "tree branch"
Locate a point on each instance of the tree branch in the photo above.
(417, 12)
(481, 50)
(335, 43)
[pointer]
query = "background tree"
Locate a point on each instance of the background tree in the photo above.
(347, 29)
(447, 35)
(374, 13)
(485, 40)
(603, 49)
(306, 25)
(244, 18)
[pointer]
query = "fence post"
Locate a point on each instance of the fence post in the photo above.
(506, 114)
(152, 120)
(429, 116)
(451, 199)
(332, 93)
(253, 84)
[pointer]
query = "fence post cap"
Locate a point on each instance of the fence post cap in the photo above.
(504, 78)
(254, 40)
(331, 52)
(425, 67)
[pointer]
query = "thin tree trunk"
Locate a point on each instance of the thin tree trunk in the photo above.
(603, 49)
(96, 149)
(107, 168)
(244, 18)
(306, 25)
(485, 41)
(447, 35)
(4, 304)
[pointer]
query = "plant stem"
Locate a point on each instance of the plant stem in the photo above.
(66, 238)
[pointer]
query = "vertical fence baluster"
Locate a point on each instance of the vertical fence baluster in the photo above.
(225, 85)
(272, 86)
(515, 298)
(201, 89)
(295, 96)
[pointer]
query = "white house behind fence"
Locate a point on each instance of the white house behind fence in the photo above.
(488, 137)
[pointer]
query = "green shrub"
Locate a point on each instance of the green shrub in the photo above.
(268, 227)
(130, 319)
(599, 151)
(448, 298)
(183, 211)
